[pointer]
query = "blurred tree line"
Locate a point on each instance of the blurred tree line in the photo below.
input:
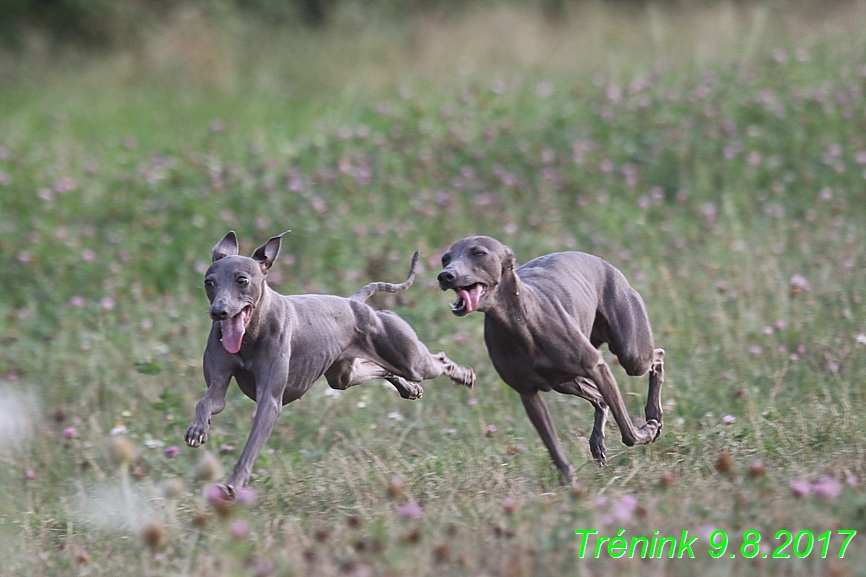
(108, 22)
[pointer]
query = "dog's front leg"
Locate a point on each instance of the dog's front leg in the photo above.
(212, 403)
(270, 385)
(536, 409)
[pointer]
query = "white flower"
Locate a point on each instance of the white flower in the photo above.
(396, 416)
(119, 429)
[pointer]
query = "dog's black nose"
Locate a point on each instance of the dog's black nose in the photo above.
(219, 314)
(446, 277)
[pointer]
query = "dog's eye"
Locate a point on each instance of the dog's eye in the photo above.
(208, 283)
(243, 281)
(479, 253)
(446, 258)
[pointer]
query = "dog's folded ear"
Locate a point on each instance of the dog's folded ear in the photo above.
(228, 246)
(266, 254)
(508, 260)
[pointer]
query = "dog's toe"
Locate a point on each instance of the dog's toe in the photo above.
(195, 436)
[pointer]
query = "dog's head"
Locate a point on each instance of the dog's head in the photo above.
(473, 268)
(234, 285)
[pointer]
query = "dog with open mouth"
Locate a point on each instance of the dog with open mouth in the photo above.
(275, 346)
(543, 325)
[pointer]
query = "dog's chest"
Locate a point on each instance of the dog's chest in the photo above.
(529, 367)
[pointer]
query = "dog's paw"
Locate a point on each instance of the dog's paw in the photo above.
(464, 376)
(407, 390)
(411, 391)
(229, 491)
(599, 452)
(196, 435)
(654, 427)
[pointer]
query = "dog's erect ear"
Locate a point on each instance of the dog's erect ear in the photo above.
(228, 246)
(266, 254)
(508, 260)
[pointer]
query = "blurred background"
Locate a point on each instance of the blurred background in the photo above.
(714, 151)
(297, 47)
(279, 67)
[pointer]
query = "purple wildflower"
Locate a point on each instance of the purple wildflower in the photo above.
(239, 529)
(799, 282)
(246, 495)
(622, 511)
(410, 510)
(800, 488)
(827, 488)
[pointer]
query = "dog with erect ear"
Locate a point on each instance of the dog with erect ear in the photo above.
(275, 346)
(543, 325)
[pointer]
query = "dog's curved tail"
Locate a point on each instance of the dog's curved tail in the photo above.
(363, 293)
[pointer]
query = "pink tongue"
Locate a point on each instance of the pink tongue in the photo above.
(470, 297)
(233, 331)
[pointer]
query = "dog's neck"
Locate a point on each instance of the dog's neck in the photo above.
(261, 312)
(510, 309)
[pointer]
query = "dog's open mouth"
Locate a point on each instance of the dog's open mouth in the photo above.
(233, 329)
(467, 299)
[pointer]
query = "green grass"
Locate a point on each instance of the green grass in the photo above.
(728, 188)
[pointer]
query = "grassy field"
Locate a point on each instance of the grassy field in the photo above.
(718, 158)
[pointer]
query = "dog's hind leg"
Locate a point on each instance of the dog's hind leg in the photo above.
(626, 328)
(407, 390)
(405, 356)
(656, 380)
(596, 439)
(347, 373)
(602, 376)
(460, 375)
(350, 372)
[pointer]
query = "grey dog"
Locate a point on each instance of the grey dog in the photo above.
(276, 346)
(543, 324)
